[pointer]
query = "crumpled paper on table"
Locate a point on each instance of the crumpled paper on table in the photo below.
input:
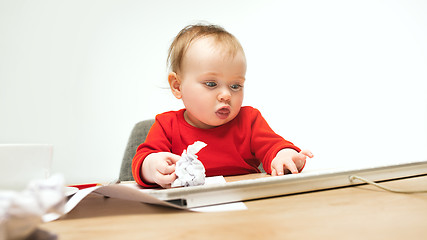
(21, 212)
(189, 170)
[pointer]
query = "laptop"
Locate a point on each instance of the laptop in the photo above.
(21, 163)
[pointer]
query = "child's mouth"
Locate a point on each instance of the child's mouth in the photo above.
(223, 113)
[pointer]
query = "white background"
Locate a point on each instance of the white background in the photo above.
(345, 79)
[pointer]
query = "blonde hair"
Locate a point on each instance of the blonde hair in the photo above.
(193, 32)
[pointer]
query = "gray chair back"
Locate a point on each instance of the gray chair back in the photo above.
(137, 136)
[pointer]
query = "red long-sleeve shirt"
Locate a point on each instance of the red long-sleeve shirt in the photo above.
(234, 148)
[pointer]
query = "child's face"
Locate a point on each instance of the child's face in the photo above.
(210, 84)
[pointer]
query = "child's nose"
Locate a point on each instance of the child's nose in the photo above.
(224, 95)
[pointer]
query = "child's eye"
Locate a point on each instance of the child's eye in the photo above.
(211, 84)
(236, 87)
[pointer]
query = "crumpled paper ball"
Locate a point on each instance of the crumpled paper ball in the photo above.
(189, 170)
(22, 212)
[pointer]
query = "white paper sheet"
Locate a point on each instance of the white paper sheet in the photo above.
(133, 192)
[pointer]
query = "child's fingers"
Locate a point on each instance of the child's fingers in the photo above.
(291, 167)
(165, 168)
(298, 158)
(168, 166)
(307, 153)
(164, 180)
(301, 158)
(273, 172)
(277, 169)
(173, 158)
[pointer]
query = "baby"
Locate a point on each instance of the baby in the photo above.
(208, 68)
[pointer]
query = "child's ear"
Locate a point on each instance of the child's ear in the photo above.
(175, 85)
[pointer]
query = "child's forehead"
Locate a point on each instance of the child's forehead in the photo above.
(216, 45)
(209, 55)
(212, 43)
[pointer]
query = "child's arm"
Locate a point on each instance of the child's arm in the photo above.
(159, 168)
(289, 160)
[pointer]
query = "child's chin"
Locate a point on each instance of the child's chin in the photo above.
(213, 124)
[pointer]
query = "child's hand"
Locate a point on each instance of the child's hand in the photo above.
(160, 168)
(289, 160)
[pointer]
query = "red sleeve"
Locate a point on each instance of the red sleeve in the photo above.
(265, 142)
(156, 141)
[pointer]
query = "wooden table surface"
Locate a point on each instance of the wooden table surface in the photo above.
(358, 212)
